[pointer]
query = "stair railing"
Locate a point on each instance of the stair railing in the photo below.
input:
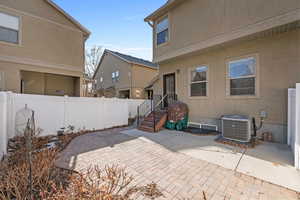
(145, 109)
(155, 108)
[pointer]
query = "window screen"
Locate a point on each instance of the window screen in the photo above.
(162, 31)
(198, 85)
(9, 28)
(242, 74)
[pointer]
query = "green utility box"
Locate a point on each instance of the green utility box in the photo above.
(179, 125)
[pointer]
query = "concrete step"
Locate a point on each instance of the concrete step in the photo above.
(146, 128)
(148, 123)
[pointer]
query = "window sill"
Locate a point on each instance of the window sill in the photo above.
(10, 44)
(163, 44)
(199, 98)
(242, 97)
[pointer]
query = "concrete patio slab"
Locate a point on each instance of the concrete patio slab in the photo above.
(272, 163)
(268, 161)
(202, 147)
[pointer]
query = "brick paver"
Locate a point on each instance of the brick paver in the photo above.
(177, 175)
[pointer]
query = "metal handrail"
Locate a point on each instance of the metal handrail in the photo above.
(161, 101)
(153, 108)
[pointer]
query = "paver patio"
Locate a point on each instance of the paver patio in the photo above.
(177, 175)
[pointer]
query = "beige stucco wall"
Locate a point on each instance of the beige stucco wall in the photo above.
(279, 69)
(110, 64)
(132, 77)
(49, 43)
(141, 77)
(13, 77)
(197, 23)
(56, 84)
(48, 84)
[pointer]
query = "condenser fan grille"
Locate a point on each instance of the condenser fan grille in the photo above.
(237, 129)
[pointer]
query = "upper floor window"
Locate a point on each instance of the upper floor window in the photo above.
(115, 76)
(199, 82)
(242, 77)
(162, 31)
(9, 28)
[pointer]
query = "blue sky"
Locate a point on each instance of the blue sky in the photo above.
(116, 24)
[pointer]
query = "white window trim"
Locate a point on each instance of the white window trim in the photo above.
(190, 82)
(19, 44)
(256, 75)
(169, 31)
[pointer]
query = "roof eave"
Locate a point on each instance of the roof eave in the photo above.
(86, 32)
(163, 9)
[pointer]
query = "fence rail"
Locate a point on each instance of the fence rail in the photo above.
(53, 113)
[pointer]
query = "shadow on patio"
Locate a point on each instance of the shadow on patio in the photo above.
(267, 161)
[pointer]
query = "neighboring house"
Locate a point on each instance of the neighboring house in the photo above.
(41, 49)
(87, 86)
(229, 57)
(124, 76)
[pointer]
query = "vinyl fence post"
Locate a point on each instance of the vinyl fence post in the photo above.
(297, 136)
(138, 115)
(3, 124)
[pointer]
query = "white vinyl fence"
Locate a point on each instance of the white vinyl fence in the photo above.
(53, 113)
(294, 123)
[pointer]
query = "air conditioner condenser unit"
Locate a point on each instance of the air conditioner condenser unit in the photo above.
(236, 127)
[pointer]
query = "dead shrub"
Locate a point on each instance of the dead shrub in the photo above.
(14, 181)
(52, 183)
(112, 183)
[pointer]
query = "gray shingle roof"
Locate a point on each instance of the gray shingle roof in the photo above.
(135, 60)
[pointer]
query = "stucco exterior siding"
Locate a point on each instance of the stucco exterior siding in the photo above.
(198, 24)
(109, 65)
(141, 76)
(37, 9)
(45, 42)
(279, 69)
(132, 77)
(49, 43)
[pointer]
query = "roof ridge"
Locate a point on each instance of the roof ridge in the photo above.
(133, 59)
(130, 55)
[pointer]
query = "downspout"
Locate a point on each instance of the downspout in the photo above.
(150, 24)
(131, 94)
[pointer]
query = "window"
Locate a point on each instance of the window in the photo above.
(199, 82)
(9, 28)
(162, 31)
(115, 76)
(101, 79)
(242, 77)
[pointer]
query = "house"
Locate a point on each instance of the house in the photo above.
(41, 49)
(229, 57)
(124, 76)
